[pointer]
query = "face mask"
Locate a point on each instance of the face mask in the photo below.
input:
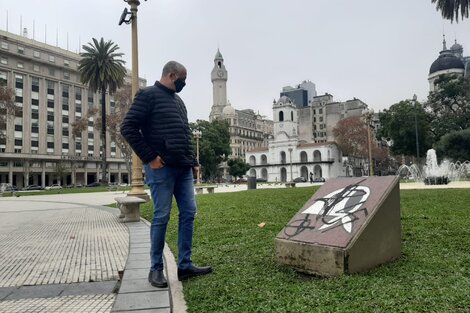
(179, 84)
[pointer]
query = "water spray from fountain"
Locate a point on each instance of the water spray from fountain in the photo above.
(434, 173)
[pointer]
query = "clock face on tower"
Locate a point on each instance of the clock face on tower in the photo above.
(220, 73)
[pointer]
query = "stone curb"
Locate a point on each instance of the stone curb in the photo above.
(136, 294)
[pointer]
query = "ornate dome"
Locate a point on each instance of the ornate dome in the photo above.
(446, 61)
(284, 100)
(228, 111)
(456, 47)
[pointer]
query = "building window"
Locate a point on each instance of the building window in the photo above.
(51, 71)
(65, 97)
(66, 75)
(3, 60)
(20, 65)
(36, 54)
(35, 67)
(35, 86)
(4, 45)
(66, 63)
(52, 58)
(20, 50)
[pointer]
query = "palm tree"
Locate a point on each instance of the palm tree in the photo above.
(450, 8)
(102, 71)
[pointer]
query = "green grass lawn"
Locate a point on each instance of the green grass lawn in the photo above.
(433, 274)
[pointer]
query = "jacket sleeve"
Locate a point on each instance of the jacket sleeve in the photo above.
(131, 128)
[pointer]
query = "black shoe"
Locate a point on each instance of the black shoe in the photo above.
(157, 279)
(193, 271)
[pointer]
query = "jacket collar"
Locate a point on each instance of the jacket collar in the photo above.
(163, 87)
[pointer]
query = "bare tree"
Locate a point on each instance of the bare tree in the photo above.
(8, 108)
(123, 101)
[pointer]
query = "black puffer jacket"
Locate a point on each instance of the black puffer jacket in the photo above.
(157, 124)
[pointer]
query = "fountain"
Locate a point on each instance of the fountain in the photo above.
(434, 173)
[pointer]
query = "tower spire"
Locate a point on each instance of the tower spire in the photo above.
(444, 42)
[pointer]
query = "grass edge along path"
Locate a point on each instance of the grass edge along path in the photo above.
(433, 274)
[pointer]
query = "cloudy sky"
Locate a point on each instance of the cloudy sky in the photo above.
(375, 50)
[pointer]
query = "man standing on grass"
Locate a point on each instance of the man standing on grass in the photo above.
(157, 129)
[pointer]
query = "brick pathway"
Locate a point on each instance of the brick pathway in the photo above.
(59, 246)
(70, 304)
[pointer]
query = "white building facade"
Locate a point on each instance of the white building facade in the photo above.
(288, 156)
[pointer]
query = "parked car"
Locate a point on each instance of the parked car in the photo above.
(300, 180)
(5, 187)
(319, 180)
(94, 184)
(33, 187)
(54, 186)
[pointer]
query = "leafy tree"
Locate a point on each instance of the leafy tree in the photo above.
(450, 8)
(449, 105)
(214, 146)
(101, 69)
(455, 145)
(398, 125)
(237, 167)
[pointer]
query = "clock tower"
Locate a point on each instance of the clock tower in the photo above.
(219, 87)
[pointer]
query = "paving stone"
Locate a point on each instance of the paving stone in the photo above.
(139, 257)
(136, 274)
(4, 292)
(140, 239)
(41, 291)
(147, 311)
(139, 250)
(142, 300)
(88, 304)
(106, 287)
(136, 243)
(69, 245)
(137, 264)
(137, 285)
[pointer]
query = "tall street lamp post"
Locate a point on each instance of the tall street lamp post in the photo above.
(416, 129)
(137, 182)
(368, 115)
(197, 134)
(290, 157)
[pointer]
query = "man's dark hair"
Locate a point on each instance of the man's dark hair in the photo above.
(172, 67)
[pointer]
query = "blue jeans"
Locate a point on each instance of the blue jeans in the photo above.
(164, 183)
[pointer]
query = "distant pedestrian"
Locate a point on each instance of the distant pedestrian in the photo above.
(157, 129)
(311, 177)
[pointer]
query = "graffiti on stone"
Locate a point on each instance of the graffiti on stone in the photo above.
(337, 209)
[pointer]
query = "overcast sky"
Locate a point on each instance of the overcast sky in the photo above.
(377, 51)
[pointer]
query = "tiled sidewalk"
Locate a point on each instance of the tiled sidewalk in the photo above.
(64, 254)
(61, 246)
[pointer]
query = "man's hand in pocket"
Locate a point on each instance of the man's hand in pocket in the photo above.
(157, 163)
